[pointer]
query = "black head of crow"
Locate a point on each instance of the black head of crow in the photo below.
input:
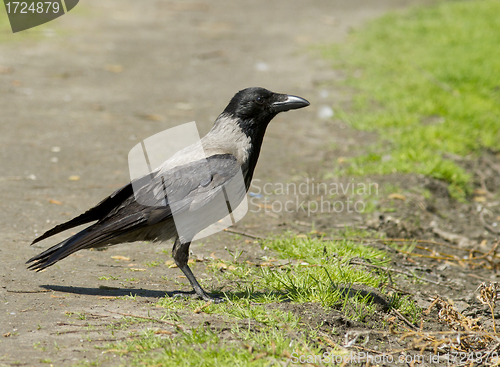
(187, 193)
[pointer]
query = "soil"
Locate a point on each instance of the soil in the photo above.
(75, 101)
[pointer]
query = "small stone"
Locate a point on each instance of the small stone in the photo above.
(325, 112)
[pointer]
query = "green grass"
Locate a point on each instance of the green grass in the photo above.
(428, 81)
(312, 270)
(256, 331)
(203, 347)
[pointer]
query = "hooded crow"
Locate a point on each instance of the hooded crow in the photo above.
(184, 195)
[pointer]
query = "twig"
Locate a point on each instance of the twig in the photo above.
(199, 309)
(400, 290)
(97, 315)
(80, 325)
(491, 350)
(146, 318)
(406, 321)
(398, 240)
(478, 277)
(367, 349)
(40, 291)
(78, 331)
(393, 270)
(435, 81)
(243, 234)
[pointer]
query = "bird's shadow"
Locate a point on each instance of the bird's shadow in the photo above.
(112, 292)
(122, 292)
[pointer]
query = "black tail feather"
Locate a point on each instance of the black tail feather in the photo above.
(96, 235)
(57, 252)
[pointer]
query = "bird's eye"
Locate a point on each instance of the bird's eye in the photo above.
(259, 100)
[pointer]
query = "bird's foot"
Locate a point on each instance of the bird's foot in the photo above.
(193, 295)
(214, 299)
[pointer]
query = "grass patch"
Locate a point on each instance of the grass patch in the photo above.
(322, 272)
(252, 328)
(203, 347)
(305, 270)
(428, 82)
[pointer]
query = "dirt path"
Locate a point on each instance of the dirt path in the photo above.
(113, 74)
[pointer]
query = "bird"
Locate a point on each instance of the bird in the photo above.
(186, 193)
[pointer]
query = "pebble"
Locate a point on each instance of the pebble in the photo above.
(325, 112)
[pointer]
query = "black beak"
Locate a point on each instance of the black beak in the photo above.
(289, 103)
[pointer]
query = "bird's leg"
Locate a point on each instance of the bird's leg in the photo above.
(180, 253)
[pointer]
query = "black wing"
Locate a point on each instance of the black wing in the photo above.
(143, 203)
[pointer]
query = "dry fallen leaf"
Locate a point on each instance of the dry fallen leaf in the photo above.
(137, 269)
(480, 199)
(166, 332)
(152, 117)
(397, 196)
(54, 201)
(118, 257)
(170, 264)
(6, 69)
(74, 178)
(114, 68)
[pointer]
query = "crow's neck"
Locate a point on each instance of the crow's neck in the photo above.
(248, 169)
(243, 139)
